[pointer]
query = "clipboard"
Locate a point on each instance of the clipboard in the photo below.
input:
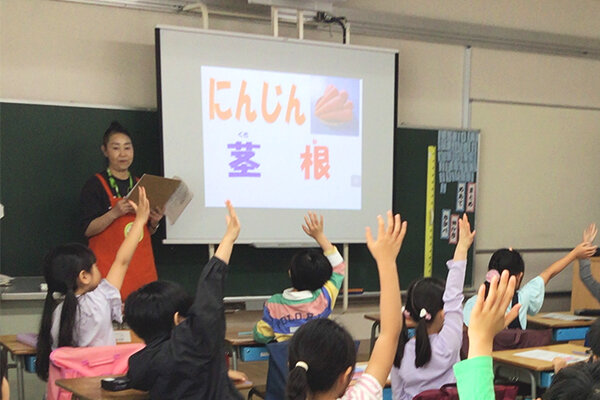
(172, 195)
(158, 190)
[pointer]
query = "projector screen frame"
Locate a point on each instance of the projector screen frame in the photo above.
(246, 213)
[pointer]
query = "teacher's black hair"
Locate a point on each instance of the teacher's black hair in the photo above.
(114, 127)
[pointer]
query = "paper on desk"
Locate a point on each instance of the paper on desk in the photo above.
(566, 317)
(546, 355)
(122, 336)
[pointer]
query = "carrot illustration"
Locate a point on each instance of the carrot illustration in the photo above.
(330, 92)
(334, 104)
(338, 116)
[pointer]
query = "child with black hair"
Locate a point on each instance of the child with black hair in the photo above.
(316, 280)
(322, 354)
(83, 315)
(188, 362)
(530, 296)
(425, 361)
(155, 309)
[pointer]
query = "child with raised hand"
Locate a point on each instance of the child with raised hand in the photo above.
(475, 376)
(88, 305)
(189, 361)
(530, 296)
(322, 354)
(425, 361)
(316, 280)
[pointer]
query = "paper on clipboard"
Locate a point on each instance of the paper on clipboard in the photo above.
(178, 202)
(171, 194)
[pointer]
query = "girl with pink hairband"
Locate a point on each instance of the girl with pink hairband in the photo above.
(434, 308)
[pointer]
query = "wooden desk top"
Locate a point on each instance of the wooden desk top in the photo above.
(539, 320)
(89, 388)
(235, 339)
(508, 357)
(15, 347)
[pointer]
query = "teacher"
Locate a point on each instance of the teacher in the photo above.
(106, 216)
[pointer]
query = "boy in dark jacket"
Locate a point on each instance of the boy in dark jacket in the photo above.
(188, 363)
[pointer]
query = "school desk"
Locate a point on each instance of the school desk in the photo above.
(243, 347)
(562, 331)
(539, 372)
(89, 388)
(19, 352)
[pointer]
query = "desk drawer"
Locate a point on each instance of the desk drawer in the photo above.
(254, 353)
(566, 334)
(30, 364)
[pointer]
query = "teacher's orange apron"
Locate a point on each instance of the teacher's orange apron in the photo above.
(105, 245)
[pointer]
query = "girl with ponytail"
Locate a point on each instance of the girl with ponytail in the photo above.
(322, 353)
(434, 309)
(80, 306)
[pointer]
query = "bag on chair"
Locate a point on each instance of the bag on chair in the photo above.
(449, 392)
(75, 362)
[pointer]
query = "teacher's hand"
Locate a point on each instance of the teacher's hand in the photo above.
(121, 208)
(156, 215)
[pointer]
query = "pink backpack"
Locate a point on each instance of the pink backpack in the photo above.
(75, 362)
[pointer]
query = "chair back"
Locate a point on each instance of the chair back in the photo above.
(508, 339)
(75, 362)
(278, 370)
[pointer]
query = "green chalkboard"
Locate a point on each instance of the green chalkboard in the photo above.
(48, 152)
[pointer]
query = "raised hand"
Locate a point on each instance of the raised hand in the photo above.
(489, 314)
(589, 234)
(584, 250)
(389, 240)
(142, 208)
(231, 234)
(465, 238)
(314, 225)
(314, 228)
(233, 223)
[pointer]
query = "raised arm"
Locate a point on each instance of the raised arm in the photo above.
(314, 229)
(117, 271)
(582, 250)
(474, 377)
(585, 273)
(385, 250)
(465, 239)
(451, 333)
(231, 233)
(206, 318)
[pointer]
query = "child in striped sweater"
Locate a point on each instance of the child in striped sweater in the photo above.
(316, 280)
